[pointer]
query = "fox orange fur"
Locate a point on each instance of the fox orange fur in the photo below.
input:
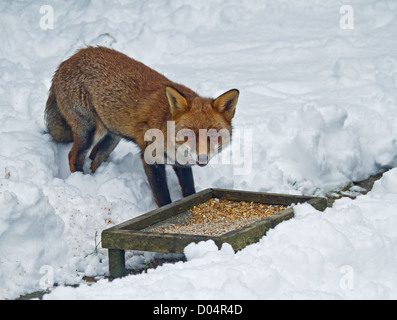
(99, 96)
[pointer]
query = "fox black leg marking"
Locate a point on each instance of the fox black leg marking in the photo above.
(158, 182)
(100, 153)
(186, 180)
(82, 142)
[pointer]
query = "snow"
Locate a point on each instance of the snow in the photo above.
(347, 252)
(320, 101)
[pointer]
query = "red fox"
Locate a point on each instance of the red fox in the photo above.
(99, 96)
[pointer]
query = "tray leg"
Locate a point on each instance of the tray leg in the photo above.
(116, 263)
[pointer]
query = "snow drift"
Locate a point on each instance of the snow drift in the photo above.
(320, 101)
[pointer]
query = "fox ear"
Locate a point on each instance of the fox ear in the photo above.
(226, 104)
(177, 101)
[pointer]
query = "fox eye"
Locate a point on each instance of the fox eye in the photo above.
(189, 133)
(213, 133)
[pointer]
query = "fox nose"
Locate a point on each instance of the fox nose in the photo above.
(202, 160)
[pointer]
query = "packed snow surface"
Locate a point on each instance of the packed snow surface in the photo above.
(317, 110)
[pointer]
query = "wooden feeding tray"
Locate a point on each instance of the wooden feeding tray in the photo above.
(156, 231)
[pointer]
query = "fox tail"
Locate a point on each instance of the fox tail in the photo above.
(57, 126)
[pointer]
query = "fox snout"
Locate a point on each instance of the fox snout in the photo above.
(195, 157)
(198, 148)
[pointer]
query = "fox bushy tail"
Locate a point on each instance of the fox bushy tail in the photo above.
(56, 123)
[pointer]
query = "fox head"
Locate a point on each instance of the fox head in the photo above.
(203, 126)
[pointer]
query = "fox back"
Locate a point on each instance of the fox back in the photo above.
(99, 96)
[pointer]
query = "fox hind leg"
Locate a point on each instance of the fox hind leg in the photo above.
(100, 153)
(83, 127)
(83, 138)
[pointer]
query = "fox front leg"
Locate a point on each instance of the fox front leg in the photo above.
(158, 182)
(186, 180)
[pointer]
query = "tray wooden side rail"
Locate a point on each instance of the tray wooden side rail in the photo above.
(132, 235)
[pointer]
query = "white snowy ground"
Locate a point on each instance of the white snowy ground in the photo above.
(321, 102)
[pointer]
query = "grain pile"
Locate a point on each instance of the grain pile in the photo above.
(216, 217)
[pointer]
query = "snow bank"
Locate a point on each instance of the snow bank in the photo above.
(347, 252)
(30, 236)
(320, 102)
